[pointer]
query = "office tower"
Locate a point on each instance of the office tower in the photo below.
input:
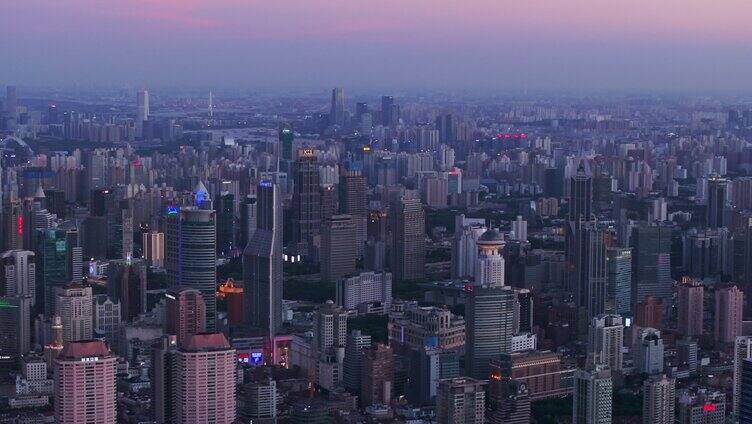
(142, 111)
(262, 263)
(509, 401)
(743, 398)
(593, 396)
(52, 349)
(74, 304)
(126, 283)
(287, 142)
(577, 257)
(204, 384)
(18, 274)
(15, 328)
(619, 280)
(445, 125)
(648, 352)
(247, 221)
(580, 195)
(407, 221)
(377, 386)
(651, 262)
(337, 110)
(742, 254)
(717, 189)
(329, 206)
(161, 377)
(233, 295)
(85, 384)
(428, 365)
(257, 401)
(190, 254)
(153, 245)
(387, 111)
(329, 327)
(108, 320)
(14, 226)
(352, 201)
(185, 313)
(729, 302)
(75, 254)
(700, 406)
(690, 307)
(524, 310)
(605, 341)
(337, 248)
(412, 327)
(467, 231)
(742, 352)
(519, 230)
(540, 370)
(356, 343)
(649, 313)
(658, 400)
(224, 204)
(306, 208)
(591, 290)
(461, 400)
(52, 267)
(11, 101)
(366, 287)
(489, 268)
(434, 191)
(489, 316)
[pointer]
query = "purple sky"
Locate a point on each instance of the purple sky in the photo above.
(576, 45)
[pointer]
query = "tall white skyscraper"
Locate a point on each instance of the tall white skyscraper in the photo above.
(17, 273)
(659, 400)
(467, 231)
(489, 268)
(606, 338)
(142, 111)
(519, 229)
(593, 396)
(648, 352)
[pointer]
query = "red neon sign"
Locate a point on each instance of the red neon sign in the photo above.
(19, 225)
(708, 407)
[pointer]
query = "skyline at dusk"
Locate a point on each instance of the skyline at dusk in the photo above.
(580, 46)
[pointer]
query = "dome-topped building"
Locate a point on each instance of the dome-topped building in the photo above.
(489, 269)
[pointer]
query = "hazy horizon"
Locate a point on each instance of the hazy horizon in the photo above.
(440, 45)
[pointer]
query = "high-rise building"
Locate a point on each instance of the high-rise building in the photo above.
(356, 343)
(185, 313)
(287, 142)
(407, 222)
(247, 221)
(352, 201)
(365, 287)
(461, 400)
(329, 327)
(108, 321)
(153, 246)
(742, 352)
(257, 401)
(701, 406)
(651, 262)
(306, 208)
(524, 311)
(203, 383)
(690, 307)
(591, 290)
(224, 204)
(717, 190)
(262, 263)
(142, 111)
(161, 377)
(126, 283)
(648, 352)
(519, 229)
(606, 340)
(729, 302)
(743, 395)
(489, 268)
(377, 381)
(337, 110)
(540, 370)
(412, 327)
(52, 266)
(619, 280)
(509, 401)
(85, 389)
(467, 231)
(15, 328)
(649, 313)
(593, 396)
(428, 365)
(387, 111)
(338, 253)
(658, 401)
(446, 126)
(489, 326)
(74, 304)
(11, 101)
(190, 254)
(18, 273)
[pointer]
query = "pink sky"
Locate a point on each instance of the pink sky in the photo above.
(112, 34)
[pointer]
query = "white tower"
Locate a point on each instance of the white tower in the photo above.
(489, 269)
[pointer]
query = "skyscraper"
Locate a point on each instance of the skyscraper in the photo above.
(658, 401)
(619, 280)
(287, 142)
(185, 314)
(352, 201)
(729, 303)
(461, 400)
(142, 111)
(306, 200)
(224, 204)
(204, 384)
(161, 375)
(75, 306)
(592, 291)
(247, 220)
(356, 343)
(18, 273)
(190, 254)
(85, 384)
(578, 249)
(262, 263)
(690, 307)
(153, 246)
(337, 110)
(742, 351)
(52, 266)
(11, 101)
(605, 341)
(743, 399)
(717, 190)
(593, 396)
(338, 252)
(509, 401)
(489, 268)
(651, 262)
(489, 326)
(126, 283)
(648, 352)
(407, 222)
(15, 328)
(377, 382)
(429, 365)
(387, 110)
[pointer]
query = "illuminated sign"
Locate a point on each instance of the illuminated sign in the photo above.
(90, 359)
(172, 210)
(307, 152)
(6, 304)
(257, 358)
(19, 225)
(265, 183)
(169, 296)
(709, 407)
(511, 135)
